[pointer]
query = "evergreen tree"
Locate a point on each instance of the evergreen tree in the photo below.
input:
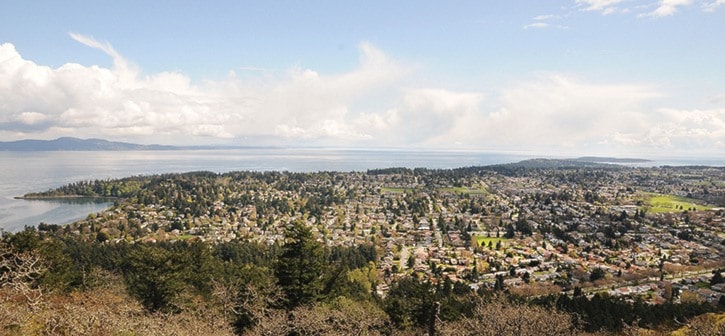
(596, 274)
(499, 285)
(153, 275)
(716, 277)
(409, 302)
(301, 269)
(510, 233)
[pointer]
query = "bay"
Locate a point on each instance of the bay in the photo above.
(23, 172)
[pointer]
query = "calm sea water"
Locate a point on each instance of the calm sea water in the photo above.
(23, 172)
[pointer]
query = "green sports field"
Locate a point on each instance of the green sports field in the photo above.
(660, 203)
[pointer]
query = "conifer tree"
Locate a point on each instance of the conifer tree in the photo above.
(300, 269)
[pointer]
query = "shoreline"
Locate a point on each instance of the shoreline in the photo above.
(65, 197)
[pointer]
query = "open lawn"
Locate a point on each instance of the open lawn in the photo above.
(669, 203)
(483, 241)
(465, 190)
(395, 190)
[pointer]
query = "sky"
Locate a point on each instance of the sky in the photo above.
(579, 77)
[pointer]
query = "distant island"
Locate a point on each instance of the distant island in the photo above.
(76, 144)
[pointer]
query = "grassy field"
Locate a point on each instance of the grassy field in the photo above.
(669, 203)
(465, 190)
(395, 190)
(483, 241)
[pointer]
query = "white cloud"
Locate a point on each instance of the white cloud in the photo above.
(556, 110)
(691, 130)
(377, 103)
(712, 6)
(121, 101)
(545, 17)
(605, 6)
(648, 8)
(667, 8)
(540, 22)
(31, 118)
(542, 25)
(433, 116)
(537, 25)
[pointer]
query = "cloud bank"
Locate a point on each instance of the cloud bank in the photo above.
(378, 103)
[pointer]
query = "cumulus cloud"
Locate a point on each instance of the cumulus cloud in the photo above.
(692, 130)
(561, 111)
(434, 116)
(667, 8)
(556, 110)
(376, 103)
(124, 103)
(96, 100)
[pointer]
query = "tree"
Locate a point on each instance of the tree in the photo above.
(301, 269)
(597, 274)
(20, 272)
(510, 233)
(409, 302)
(523, 226)
(716, 277)
(154, 276)
(474, 271)
(499, 285)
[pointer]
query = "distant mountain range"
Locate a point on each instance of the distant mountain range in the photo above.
(75, 144)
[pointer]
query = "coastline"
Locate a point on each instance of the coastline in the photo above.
(65, 197)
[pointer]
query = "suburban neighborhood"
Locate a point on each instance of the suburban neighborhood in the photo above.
(652, 233)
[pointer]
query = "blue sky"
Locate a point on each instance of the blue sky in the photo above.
(615, 77)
